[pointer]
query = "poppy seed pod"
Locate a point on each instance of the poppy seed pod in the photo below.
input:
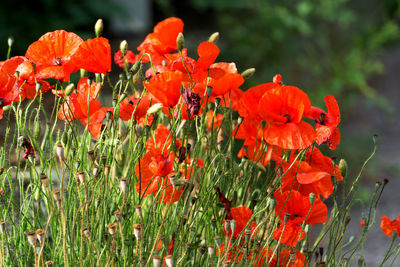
(98, 27)
(138, 210)
(169, 261)
(213, 37)
(2, 226)
(49, 263)
(227, 226)
(80, 177)
(137, 230)
(211, 250)
(117, 215)
(40, 234)
(248, 73)
(60, 151)
(45, 180)
(112, 228)
(91, 156)
(107, 170)
(95, 170)
(343, 167)
(156, 260)
(180, 41)
(32, 238)
(122, 184)
(227, 264)
(86, 232)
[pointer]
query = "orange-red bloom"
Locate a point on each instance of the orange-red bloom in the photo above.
(93, 55)
(166, 87)
(213, 123)
(290, 258)
(241, 215)
(388, 225)
(52, 54)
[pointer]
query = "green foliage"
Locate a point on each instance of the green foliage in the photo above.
(329, 46)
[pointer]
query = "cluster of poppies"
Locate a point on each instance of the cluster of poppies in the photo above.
(274, 119)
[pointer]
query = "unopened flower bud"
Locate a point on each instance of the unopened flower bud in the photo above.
(343, 167)
(154, 108)
(214, 37)
(248, 73)
(180, 41)
(172, 179)
(10, 41)
(107, 170)
(37, 130)
(69, 89)
(123, 47)
(233, 225)
(98, 27)
(122, 97)
(227, 226)
(218, 240)
(312, 198)
(209, 90)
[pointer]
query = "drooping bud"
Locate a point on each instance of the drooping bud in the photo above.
(343, 167)
(98, 27)
(123, 47)
(180, 41)
(227, 226)
(248, 73)
(213, 37)
(69, 89)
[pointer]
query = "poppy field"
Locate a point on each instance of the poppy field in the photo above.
(187, 166)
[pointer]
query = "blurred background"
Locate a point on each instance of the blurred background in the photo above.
(350, 49)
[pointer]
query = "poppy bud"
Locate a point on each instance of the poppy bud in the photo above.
(240, 120)
(213, 37)
(122, 97)
(218, 240)
(6, 108)
(98, 27)
(37, 130)
(123, 47)
(169, 261)
(82, 72)
(361, 262)
(154, 108)
(312, 198)
(10, 41)
(180, 41)
(248, 73)
(209, 90)
(343, 167)
(38, 87)
(69, 89)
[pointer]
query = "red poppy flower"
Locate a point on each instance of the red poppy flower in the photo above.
(93, 55)
(162, 40)
(224, 78)
(8, 91)
(326, 127)
(26, 77)
(166, 87)
(94, 121)
(91, 90)
(259, 154)
(129, 57)
(289, 233)
(78, 106)
(283, 108)
(213, 123)
(135, 107)
(241, 215)
(236, 252)
(162, 140)
(298, 206)
(52, 54)
(388, 225)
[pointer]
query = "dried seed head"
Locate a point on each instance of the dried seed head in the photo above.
(233, 225)
(56, 195)
(227, 226)
(172, 179)
(169, 261)
(86, 232)
(40, 234)
(117, 215)
(2, 226)
(138, 210)
(95, 170)
(45, 180)
(227, 263)
(32, 238)
(112, 228)
(80, 177)
(91, 156)
(107, 170)
(49, 263)
(137, 230)
(156, 260)
(122, 184)
(211, 250)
